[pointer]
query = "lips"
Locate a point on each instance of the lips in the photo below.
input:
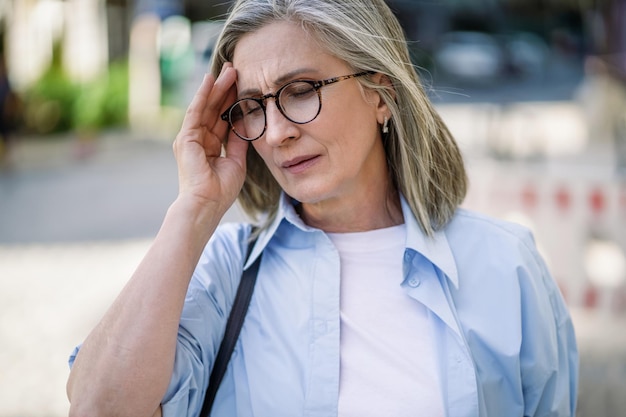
(300, 163)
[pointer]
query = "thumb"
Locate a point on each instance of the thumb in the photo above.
(236, 150)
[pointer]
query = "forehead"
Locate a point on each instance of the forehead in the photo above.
(278, 52)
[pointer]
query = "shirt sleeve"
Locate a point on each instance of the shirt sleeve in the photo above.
(514, 319)
(207, 306)
(549, 353)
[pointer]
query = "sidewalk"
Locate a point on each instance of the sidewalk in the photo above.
(50, 297)
(61, 189)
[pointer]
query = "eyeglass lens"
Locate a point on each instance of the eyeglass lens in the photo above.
(297, 101)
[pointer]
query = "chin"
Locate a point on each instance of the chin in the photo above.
(310, 196)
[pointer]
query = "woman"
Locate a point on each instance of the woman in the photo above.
(376, 294)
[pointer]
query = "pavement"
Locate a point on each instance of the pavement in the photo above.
(63, 189)
(76, 218)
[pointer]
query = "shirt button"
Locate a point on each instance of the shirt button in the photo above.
(414, 282)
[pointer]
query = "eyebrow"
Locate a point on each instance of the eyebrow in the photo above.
(289, 76)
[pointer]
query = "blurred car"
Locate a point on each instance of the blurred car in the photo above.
(483, 57)
(472, 56)
(527, 54)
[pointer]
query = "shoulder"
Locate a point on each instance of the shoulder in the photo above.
(487, 227)
(221, 261)
(495, 255)
(476, 232)
(229, 238)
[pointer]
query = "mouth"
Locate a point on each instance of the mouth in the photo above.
(300, 164)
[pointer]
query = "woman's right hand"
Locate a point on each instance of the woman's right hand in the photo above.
(125, 365)
(208, 178)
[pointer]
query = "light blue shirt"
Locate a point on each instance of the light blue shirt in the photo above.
(504, 337)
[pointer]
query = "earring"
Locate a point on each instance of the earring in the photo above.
(386, 125)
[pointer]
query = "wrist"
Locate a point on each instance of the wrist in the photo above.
(194, 219)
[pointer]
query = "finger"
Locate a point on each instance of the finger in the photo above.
(202, 122)
(222, 95)
(222, 127)
(236, 149)
(195, 111)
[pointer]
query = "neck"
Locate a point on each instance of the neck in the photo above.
(355, 214)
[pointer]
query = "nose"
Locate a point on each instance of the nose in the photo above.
(279, 129)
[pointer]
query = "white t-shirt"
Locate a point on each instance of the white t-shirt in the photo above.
(388, 355)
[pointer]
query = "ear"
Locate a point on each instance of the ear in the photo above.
(382, 109)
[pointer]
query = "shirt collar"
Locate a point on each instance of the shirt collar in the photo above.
(287, 212)
(436, 248)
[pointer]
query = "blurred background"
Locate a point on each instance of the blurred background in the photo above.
(92, 93)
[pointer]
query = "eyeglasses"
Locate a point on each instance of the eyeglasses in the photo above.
(300, 101)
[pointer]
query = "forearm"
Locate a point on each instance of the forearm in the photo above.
(124, 366)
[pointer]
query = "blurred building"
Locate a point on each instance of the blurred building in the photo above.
(95, 31)
(479, 40)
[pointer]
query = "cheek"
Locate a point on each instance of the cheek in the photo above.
(357, 133)
(354, 117)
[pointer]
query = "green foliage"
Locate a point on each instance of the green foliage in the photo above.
(103, 102)
(47, 102)
(55, 103)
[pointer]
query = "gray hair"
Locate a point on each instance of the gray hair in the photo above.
(424, 161)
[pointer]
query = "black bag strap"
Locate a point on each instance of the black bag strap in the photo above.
(233, 328)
